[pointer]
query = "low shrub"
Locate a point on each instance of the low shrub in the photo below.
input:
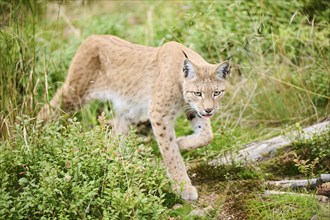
(61, 172)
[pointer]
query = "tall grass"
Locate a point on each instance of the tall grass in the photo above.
(17, 62)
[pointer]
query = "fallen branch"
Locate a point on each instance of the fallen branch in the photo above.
(294, 184)
(256, 151)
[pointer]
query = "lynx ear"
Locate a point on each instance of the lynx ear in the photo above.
(223, 70)
(188, 68)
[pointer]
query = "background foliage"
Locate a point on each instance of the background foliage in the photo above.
(280, 77)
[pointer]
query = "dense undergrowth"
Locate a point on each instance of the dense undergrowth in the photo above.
(62, 172)
(280, 77)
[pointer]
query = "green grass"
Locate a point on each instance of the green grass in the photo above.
(280, 77)
(285, 207)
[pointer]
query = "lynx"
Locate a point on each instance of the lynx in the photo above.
(147, 84)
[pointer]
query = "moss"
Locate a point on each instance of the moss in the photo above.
(206, 172)
(280, 166)
(235, 197)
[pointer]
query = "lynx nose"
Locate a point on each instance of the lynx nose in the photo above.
(208, 110)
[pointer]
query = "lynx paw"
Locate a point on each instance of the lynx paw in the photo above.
(189, 193)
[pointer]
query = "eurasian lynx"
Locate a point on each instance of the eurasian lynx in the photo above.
(147, 83)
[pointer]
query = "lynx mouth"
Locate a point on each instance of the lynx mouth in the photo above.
(204, 114)
(207, 115)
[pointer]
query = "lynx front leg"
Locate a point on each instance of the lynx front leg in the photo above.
(202, 135)
(163, 127)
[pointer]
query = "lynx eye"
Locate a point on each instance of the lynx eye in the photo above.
(217, 93)
(198, 94)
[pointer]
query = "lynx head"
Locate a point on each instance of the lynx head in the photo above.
(203, 86)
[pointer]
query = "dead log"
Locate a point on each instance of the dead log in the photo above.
(294, 184)
(256, 151)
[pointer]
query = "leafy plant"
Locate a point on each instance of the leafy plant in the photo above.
(306, 167)
(62, 172)
(313, 153)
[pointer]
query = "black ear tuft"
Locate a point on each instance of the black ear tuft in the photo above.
(185, 65)
(185, 55)
(223, 70)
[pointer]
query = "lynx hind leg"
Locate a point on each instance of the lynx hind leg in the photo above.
(82, 72)
(202, 135)
(64, 101)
